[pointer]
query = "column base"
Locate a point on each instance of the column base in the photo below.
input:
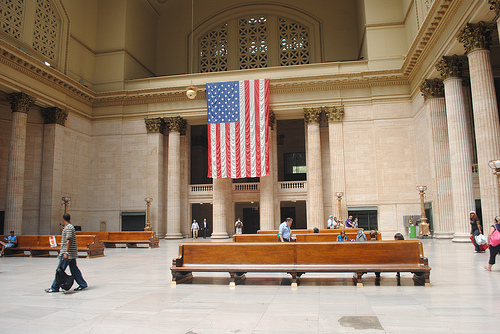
(461, 237)
(173, 236)
(219, 235)
(443, 235)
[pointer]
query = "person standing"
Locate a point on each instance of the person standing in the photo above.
(349, 222)
(194, 229)
(475, 229)
(239, 226)
(329, 223)
(204, 227)
(68, 255)
(285, 231)
(494, 250)
(10, 241)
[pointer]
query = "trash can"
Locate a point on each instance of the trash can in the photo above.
(413, 231)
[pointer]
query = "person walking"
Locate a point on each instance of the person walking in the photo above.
(475, 229)
(68, 255)
(494, 246)
(194, 229)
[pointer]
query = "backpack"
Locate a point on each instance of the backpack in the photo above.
(64, 280)
(238, 224)
(495, 237)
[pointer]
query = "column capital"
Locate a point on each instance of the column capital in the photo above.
(476, 36)
(54, 115)
(451, 66)
(335, 114)
(154, 125)
(272, 119)
(495, 6)
(176, 124)
(312, 115)
(432, 88)
(20, 102)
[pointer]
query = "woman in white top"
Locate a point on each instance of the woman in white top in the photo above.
(239, 226)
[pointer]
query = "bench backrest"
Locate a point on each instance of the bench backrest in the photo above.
(131, 235)
(24, 240)
(327, 237)
(255, 238)
(376, 252)
(103, 236)
(301, 231)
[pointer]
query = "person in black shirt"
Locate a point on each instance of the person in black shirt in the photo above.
(475, 229)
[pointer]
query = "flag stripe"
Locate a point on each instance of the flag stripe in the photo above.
(238, 123)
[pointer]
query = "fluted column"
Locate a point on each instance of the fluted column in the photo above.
(174, 125)
(477, 40)
(337, 160)
(52, 170)
(220, 208)
(20, 104)
(315, 210)
(266, 202)
(155, 128)
(185, 172)
(460, 160)
(433, 92)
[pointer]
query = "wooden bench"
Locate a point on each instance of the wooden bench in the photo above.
(301, 231)
(129, 238)
(301, 237)
(39, 245)
(297, 258)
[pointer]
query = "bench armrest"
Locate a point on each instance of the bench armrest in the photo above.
(177, 262)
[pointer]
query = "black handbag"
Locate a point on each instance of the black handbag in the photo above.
(64, 280)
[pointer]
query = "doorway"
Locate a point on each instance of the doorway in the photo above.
(295, 210)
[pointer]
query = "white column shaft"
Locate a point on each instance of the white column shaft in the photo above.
(337, 163)
(173, 187)
(460, 160)
(315, 210)
(220, 219)
(487, 129)
(266, 202)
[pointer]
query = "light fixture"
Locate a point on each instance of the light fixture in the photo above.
(191, 90)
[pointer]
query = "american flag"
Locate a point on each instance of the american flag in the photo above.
(238, 135)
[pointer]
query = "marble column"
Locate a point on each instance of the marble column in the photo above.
(495, 6)
(315, 210)
(266, 201)
(337, 160)
(185, 172)
(52, 170)
(155, 128)
(174, 125)
(460, 159)
(220, 208)
(433, 92)
(20, 104)
(477, 40)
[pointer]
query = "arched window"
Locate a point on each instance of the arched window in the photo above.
(36, 27)
(257, 41)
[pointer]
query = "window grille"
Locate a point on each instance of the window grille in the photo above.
(46, 30)
(11, 17)
(213, 50)
(252, 42)
(294, 43)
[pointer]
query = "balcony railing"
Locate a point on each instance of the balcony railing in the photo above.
(200, 188)
(292, 186)
(246, 186)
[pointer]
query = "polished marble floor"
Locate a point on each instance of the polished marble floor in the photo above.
(130, 291)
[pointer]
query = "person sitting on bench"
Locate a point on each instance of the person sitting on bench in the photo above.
(9, 242)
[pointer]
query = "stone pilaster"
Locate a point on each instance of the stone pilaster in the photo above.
(337, 160)
(460, 159)
(433, 92)
(477, 40)
(267, 184)
(154, 173)
(315, 205)
(175, 126)
(220, 208)
(20, 104)
(185, 172)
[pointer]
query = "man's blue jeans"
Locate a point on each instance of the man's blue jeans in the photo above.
(75, 272)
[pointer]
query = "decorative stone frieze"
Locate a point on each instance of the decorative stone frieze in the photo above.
(312, 115)
(476, 36)
(20, 102)
(54, 115)
(495, 6)
(334, 114)
(451, 66)
(154, 125)
(432, 88)
(272, 119)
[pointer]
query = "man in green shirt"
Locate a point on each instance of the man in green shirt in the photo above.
(68, 255)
